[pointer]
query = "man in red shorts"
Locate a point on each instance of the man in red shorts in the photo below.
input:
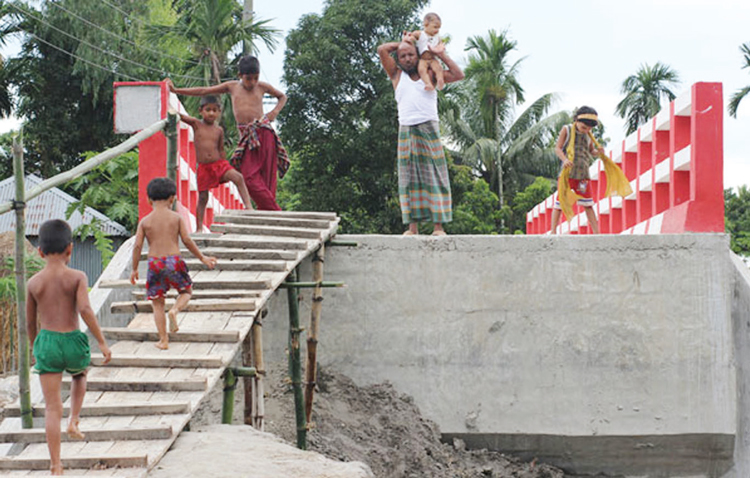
(213, 168)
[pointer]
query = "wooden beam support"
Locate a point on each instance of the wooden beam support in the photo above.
(207, 294)
(238, 264)
(160, 361)
(273, 221)
(197, 284)
(115, 410)
(313, 234)
(310, 285)
(139, 335)
(240, 242)
(330, 216)
(241, 253)
(132, 461)
(38, 435)
(113, 385)
(226, 305)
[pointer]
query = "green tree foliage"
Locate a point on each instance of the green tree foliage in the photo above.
(111, 189)
(506, 150)
(737, 97)
(340, 121)
(644, 92)
(525, 200)
(737, 218)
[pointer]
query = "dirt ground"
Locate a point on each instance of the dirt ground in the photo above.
(379, 426)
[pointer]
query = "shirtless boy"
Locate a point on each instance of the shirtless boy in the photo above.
(259, 154)
(213, 167)
(163, 228)
(56, 295)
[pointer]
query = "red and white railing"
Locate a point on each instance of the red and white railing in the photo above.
(139, 104)
(675, 166)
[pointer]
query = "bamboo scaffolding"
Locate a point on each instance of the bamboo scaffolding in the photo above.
(92, 163)
(23, 339)
(230, 384)
(170, 131)
(258, 402)
(295, 365)
(311, 371)
(247, 384)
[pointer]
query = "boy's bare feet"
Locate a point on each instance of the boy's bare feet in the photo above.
(162, 345)
(439, 232)
(172, 314)
(74, 432)
(409, 233)
(56, 469)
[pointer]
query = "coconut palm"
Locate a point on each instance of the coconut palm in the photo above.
(734, 102)
(644, 93)
(213, 29)
(479, 115)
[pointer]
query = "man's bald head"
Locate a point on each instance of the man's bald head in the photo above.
(407, 57)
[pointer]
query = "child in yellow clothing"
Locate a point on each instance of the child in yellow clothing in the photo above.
(584, 121)
(57, 295)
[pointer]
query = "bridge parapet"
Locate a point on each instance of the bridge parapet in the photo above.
(675, 166)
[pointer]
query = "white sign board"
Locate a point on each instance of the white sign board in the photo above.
(136, 107)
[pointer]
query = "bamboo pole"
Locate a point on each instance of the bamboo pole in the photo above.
(247, 384)
(227, 406)
(258, 388)
(311, 372)
(23, 338)
(92, 163)
(295, 365)
(170, 131)
(310, 285)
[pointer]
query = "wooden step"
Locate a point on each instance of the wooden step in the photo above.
(314, 234)
(165, 361)
(260, 284)
(113, 385)
(329, 216)
(140, 335)
(239, 265)
(39, 436)
(120, 409)
(241, 242)
(241, 253)
(226, 305)
(98, 462)
(274, 221)
(207, 294)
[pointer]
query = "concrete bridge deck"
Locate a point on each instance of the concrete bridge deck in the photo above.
(137, 405)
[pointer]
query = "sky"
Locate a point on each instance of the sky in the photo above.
(583, 51)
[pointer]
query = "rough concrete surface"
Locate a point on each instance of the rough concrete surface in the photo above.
(518, 337)
(225, 451)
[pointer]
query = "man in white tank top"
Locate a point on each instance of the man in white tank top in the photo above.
(424, 188)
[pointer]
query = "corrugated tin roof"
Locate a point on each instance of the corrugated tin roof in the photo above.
(51, 204)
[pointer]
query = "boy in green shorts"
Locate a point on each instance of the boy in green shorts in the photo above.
(56, 295)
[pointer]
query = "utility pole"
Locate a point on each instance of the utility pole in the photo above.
(247, 17)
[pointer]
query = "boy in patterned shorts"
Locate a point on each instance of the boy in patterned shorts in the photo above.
(57, 295)
(163, 228)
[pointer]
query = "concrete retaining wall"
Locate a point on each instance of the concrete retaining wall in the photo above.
(599, 354)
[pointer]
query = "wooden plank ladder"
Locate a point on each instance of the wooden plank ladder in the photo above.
(138, 404)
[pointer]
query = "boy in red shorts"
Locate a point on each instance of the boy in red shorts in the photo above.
(213, 168)
(163, 228)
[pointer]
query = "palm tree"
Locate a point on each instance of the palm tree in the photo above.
(644, 92)
(734, 102)
(213, 29)
(479, 116)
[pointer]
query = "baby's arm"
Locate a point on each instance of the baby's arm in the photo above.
(87, 314)
(137, 248)
(193, 248)
(200, 90)
(268, 89)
